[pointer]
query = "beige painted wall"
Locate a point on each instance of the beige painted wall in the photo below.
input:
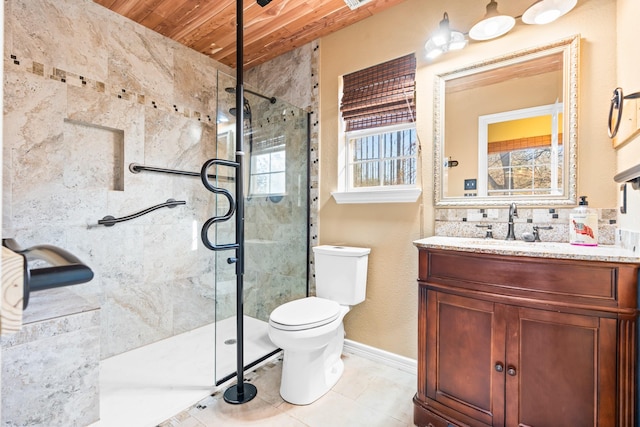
(388, 317)
(628, 79)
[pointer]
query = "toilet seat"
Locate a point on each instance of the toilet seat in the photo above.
(305, 313)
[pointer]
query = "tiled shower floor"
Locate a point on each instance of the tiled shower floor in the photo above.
(146, 386)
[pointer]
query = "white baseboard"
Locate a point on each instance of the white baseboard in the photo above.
(390, 359)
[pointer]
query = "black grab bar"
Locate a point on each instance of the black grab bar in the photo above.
(64, 269)
(137, 168)
(109, 221)
(204, 233)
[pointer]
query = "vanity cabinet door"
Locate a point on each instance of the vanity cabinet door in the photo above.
(561, 369)
(466, 357)
(500, 365)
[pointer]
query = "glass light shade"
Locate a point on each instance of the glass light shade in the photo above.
(546, 11)
(440, 38)
(433, 51)
(444, 39)
(492, 25)
(457, 41)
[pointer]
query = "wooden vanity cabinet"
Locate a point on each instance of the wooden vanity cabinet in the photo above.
(520, 341)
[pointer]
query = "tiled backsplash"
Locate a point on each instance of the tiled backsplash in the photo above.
(472, 222)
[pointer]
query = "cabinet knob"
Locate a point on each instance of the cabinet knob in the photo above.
(511, 371)
(499, 367)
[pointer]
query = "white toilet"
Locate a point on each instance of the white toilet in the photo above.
(310, 330)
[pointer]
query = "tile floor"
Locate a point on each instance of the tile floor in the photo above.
(369, 394)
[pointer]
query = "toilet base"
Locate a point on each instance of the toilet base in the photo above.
(307, 376)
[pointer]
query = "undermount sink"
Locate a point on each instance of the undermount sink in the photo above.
(477, 241)
(532, 249)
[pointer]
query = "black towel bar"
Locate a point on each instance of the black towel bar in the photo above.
(137, 168)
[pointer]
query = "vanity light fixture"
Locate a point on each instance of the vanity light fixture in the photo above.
(493, 24)
(546, 11)
(444, 40)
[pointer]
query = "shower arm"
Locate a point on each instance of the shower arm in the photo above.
(271, 99)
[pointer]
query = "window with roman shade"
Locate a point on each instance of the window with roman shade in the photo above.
(381, 95)
(379, 138)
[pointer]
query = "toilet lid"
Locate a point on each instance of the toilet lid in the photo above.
(305, 313)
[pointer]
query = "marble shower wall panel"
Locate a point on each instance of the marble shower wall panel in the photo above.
(33, 135)
(176, 142)
(85, 81)
(141, 61)
(195, 84)
(67, 35)
(287, 77)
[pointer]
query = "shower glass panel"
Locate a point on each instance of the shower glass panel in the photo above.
(276, 214)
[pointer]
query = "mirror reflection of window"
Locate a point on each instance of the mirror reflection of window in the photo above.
(521, 152)
(539, 76)
(268, 168)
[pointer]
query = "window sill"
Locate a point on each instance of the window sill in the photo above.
(405, 195)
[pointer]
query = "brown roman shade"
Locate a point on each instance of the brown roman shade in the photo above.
(381, 95)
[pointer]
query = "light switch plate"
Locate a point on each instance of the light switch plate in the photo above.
(470, 184)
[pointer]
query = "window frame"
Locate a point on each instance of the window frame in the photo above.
(371, 101)
(268, 150)
(346, 193)
(554, 110)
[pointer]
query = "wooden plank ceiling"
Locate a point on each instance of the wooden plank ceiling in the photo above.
(209, 26)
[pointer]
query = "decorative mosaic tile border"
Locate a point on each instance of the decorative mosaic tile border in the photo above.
(73, 79)
(314, 162)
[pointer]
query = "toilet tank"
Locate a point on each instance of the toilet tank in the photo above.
(341, 273)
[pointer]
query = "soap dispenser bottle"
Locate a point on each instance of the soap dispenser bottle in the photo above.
(583, 224)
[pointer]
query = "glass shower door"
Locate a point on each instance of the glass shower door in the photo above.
(276, 222)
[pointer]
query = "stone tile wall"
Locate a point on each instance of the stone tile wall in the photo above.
(87, 93)
(50, 369)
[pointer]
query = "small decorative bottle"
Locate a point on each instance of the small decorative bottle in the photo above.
(583, 224)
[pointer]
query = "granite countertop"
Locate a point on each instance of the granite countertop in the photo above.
(556, 250)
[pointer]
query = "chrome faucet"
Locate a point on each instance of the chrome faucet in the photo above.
(513, 211)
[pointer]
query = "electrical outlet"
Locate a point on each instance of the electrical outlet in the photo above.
(470, 184)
